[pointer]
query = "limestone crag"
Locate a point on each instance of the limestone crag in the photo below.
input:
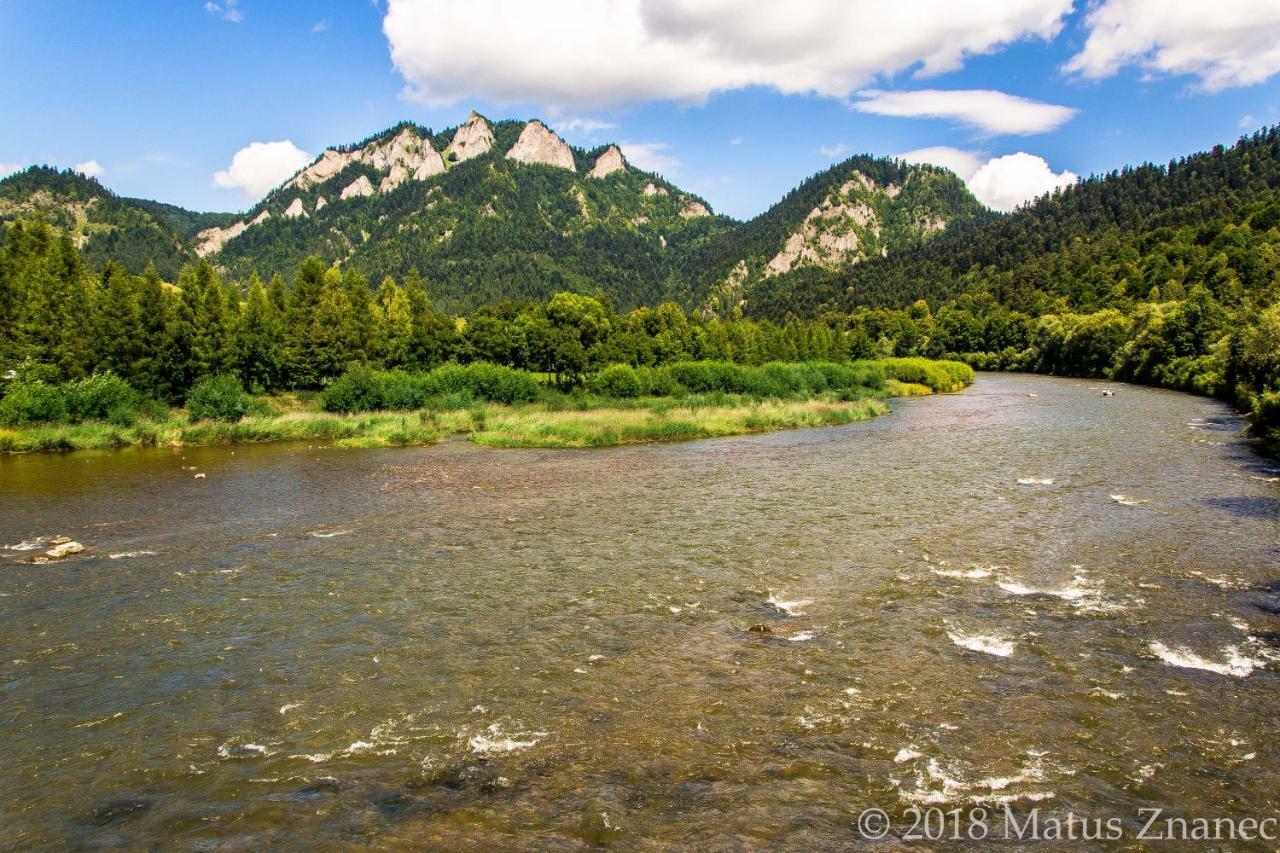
(537, 144)
(472, 139)
(834, 231)
(361, 186)
(607, 163)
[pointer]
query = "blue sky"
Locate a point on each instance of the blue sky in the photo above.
(727, 98)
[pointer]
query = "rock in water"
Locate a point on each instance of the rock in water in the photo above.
(66, 549)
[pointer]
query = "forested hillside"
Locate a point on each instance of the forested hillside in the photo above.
(1165, 275)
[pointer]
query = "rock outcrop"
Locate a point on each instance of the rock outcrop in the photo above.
(472, 139)
(295, 209)
(211, 240)
(694, 209)
(537, 144)
(834, 232)
(361, 186)
(607, 163)
(653, 189)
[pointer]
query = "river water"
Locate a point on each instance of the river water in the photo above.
(471, 648)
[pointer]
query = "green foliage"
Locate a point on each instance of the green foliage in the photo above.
(28, 401)
(940, 376)
(362, 389)
(218, 398)
(618, 380)
(101, 396)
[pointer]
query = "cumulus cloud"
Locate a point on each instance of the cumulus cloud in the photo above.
(963, 163)
(649, 156)
(1001, 183)
(737, 140)
(89, 168)
(831, 152)
(598, 52)
(985, 109)
(1225, 43)
(260, 166)
(1005, 182)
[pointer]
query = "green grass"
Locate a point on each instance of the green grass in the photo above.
(577, 419)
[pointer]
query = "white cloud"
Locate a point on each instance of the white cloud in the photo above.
(737, 140)
(583, 126)
(963, 163)
(1248, 122)
(1225, 43)
(260, 166)
(831, 152)
(649, 156)
(1001, 183)
(1005, 182)
(985, 109)
(320, 26)
(89, 168)
(598, 52)
(228, 10)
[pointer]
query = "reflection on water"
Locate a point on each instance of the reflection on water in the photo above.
(728, 644)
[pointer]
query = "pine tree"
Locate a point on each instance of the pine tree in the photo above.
(258, 340)
(119, 326)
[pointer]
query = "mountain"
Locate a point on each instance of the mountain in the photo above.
(862, 208)
(486, 211)
(1143, 232)
(498, 210)
(135, 232)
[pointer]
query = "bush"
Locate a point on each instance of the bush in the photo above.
(218, 398)
(618, 380)
(939, 376)
(360, 389)
(28, 401)
(102, 396)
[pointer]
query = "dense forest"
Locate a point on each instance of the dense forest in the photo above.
(1165, 275)
(63, 320)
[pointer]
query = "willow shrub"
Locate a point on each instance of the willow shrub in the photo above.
(940, 376)
(363, 389)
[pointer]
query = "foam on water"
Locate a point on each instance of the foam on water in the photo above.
(990, 644)
(936, 784)
(801, 636)
(27, 545)
(494, 739)
(973, 574)
(791, 608)
(328, 534)
(1035, 481)
(124, 555)
(1236, 665)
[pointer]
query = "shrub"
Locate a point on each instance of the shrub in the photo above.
(658, 382)
(28, 401)
(360, 389)
(218, 398)
(102, 396)
(938, 375)
(618, 380)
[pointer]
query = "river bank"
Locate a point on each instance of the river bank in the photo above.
(587, 422)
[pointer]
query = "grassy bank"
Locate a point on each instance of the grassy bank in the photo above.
(550, 419)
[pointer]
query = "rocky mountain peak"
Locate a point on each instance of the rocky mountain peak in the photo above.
(607, 163)
(473, 138)
(539, 144)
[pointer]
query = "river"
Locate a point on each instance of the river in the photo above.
(471, 648)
